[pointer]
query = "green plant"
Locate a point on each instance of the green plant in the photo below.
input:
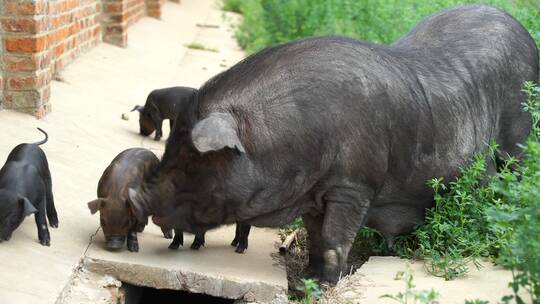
(198, 46)
(269, 22)
(532, 105)
(520, 220)
(232, 5)
(311, 291)
(411, 296)
(456, 231)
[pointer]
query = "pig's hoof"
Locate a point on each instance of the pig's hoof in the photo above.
(53, 223)
(196, 245)
(157, 138)
(45, 242)
(133, 247)
(174, 246)
(240, 249)
(168, 234)
(234, 243)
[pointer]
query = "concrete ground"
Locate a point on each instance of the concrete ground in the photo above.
(377, 277)
(86, 132)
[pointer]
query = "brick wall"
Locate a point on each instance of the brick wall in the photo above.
(118, 16)
(39, 37)
(153, 7)
(75, 26)
(26, 58)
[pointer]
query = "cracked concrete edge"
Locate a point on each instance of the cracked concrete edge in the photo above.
(86, 287)
(66, 291)
(175, 279)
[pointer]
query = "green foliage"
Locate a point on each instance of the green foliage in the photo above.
(297, 223)
(411, 296)
(232, 5)
(368, 242)
(520, 220)
(311, 291)
(532, 105)
(456, 231)
(198, 46)
(269, 22)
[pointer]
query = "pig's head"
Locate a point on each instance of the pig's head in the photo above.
(116, 220)
(13, 210)
(146, 125)
(189, 191)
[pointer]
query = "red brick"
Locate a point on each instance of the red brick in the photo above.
(24, 25)
(25, 8)
(59, 50)
(18, 63)
(23, 83)
(26, 45)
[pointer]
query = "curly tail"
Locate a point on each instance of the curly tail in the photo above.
(43, 141)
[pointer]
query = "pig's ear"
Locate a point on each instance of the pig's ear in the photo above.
(216, 132)
(95, 205)
(138, 108)
(136, 206)
(28, 208)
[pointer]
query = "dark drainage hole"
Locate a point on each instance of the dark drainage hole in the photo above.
(146, 295)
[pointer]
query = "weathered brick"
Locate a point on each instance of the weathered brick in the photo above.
(25, 45)
(20, 63)
(24, 25)
(116, 7)
(25, 8)
(22, 99)
(24, 83)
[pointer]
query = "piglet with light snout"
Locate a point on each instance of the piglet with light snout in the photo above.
(162, 104)
(26, 188)
(116, 217)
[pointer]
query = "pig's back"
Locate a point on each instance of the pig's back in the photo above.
(127, 170)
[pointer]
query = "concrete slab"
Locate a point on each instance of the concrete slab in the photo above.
(86, 132)
(377, 277)
(216, 269)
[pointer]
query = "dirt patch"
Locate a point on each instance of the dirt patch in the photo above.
(367, 244)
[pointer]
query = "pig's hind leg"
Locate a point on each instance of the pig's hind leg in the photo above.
(52, 215)
(41, 223)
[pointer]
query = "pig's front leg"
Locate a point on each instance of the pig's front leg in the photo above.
(159, 131)
(132, 241)
(241, 237)
(344, 214)
(198, 241)
(178, 239)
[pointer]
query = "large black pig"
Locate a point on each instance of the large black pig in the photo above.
(345, 133)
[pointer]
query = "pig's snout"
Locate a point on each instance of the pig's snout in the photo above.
(116, 242)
